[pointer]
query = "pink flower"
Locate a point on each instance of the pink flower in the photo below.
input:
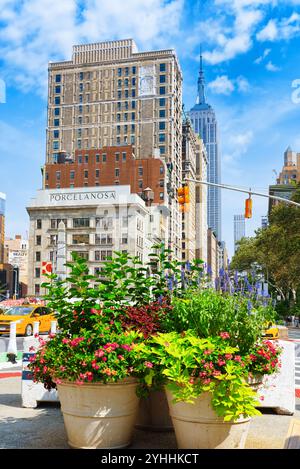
(221, 362)
(191, 381)
(126, 347)
(262, 398)
(228, 356)
(224, 335)
(65, 341)
(31, 348)
(36, 335)
(206, 381)
(120, 357)
(62, 368)
(202, 374)
(237, 358)
(90, 376)
(149, 364)
(216, 373)
(45, 368)
(79, 382)
(58, 381)
(99, 353)
(104, 359)
(207, 352)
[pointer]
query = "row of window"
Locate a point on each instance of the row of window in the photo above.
(121, 72)
(100, 222)
(162, 91)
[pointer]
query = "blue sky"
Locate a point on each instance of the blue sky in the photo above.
(251, 52)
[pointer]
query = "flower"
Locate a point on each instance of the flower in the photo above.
(224, 335)
(149, 364)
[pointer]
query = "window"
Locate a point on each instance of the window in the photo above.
(161, 170)
(58, 175)
(132, 139)
(39, 224)
(86, 158)
(117, 156)
(97, 173)
(119, 72)
(119, 83)
(126, 71)
(57, 89)
(38, 256)
(162, 150)
(162, 102)
(119, 94)
(141, 184)
(126, 105)
(81, 75)
(47, 176)
(133, 104)
(162, 113)
(117, 172)
(38, 240)
(161, 195)
(162, 90)
(126, 93)
(125, 129)
(132, 127)
(140, 171)
(133, 81)
(133, 70)
(162, 126)
(118, 129)
(80, 98)
(56, 133)
(97, 158)
(162, 67)
(162, 78)
(86, 174)
(133, 93)
(57, 100)
(161, 183)
(83, 255)
(80, 239)
(133, 116)
(118, 117)
(126, 82)
(56, 111)
(79, 159)
(81, 87)
(123, 156)
(124, 239)
(72, 174)
(36, 289)
(56, 122)
(81, 222)
(125, 116)
(103, 157)
(118, 141)
(55, 145)
(162, 137)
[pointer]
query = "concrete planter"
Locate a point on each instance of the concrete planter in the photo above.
(197, 426)
(255, 381)
(99, 415)
(154, 413)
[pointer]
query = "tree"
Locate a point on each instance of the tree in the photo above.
(276, 249)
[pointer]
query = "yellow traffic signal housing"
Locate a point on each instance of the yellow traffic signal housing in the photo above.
(183, 198)
(248, 208)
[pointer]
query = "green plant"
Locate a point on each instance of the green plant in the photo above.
(191, 366)
(264, 358)
(209, 312)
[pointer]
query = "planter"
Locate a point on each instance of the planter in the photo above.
(154, 413)
(99, 415)
(197, 426)
(255, 381)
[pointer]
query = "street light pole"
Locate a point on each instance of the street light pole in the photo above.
(250, 192)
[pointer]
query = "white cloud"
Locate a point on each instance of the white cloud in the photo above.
(263, 56)
(271, 67)
(283, 29)
(37, 31)
(221, 85)
(243, 84)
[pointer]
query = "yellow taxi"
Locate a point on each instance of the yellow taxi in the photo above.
(271, 331)
(25, 316)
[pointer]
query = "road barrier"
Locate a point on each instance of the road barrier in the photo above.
(12, 344)
(32, 393)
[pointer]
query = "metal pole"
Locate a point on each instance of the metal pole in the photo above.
(250, 192)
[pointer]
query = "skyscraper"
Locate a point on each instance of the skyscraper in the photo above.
(239, 229)
(204, 122)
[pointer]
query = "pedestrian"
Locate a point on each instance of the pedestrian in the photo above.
(297, 321)
(293, 321)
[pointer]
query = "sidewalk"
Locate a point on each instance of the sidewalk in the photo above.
(43, 427)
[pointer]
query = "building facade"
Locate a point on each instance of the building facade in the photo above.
(109, 94)
(239, 229)
(93, 222)
(205, 124)
(212, 254)
(2, 226)
(16, 254)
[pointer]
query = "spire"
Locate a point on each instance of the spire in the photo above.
(201, 82)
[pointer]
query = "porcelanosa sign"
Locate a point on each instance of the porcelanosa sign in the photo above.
(82, 196)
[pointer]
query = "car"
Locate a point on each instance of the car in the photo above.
(271, 331)
(25, 316)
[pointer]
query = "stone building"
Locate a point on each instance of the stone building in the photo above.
(93, 222)
(16, 254)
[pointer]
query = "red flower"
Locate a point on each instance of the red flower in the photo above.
(224, 335)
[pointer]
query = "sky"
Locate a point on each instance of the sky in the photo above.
(251, 57)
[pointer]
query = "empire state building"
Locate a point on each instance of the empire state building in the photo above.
(204, 123)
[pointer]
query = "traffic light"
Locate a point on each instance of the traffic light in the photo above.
(183, 198)
(248, 208)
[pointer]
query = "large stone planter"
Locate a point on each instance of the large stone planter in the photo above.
(99, 415)
(197, 426)
(255, 381)
(154, 413)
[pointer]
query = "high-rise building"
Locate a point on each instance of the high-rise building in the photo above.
(2, 226)
(205, 124)
(109, 94)
(287, 179)
(239, 229)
